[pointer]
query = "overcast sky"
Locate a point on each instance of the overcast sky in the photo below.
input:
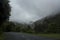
(32, 10)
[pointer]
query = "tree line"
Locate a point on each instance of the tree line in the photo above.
(49, 24)
(16, 27)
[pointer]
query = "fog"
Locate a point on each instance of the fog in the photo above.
(26, 11)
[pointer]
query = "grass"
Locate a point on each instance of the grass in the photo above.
(49, 35)
(1, 36)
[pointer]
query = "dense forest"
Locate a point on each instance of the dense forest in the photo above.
(49, 24)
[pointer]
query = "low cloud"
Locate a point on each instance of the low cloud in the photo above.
(32, 10)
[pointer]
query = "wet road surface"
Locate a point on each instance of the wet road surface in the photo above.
(22, 36)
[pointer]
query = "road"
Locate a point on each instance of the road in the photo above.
(22, 36)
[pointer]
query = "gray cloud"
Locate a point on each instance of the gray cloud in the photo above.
(32, 10)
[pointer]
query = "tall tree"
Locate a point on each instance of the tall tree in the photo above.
(4, 10)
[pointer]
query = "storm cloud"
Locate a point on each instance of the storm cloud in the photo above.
(32, 10)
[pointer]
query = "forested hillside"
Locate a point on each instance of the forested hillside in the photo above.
(49, 24)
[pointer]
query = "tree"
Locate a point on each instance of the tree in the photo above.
(4, 11)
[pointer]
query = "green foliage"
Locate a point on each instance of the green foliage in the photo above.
(16, 27)
(49, 24)
(46, 25)
(4, 10)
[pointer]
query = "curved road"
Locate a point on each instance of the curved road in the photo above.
(22, 36)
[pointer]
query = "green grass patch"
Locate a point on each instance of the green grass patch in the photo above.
(49, 35)
(1, 36)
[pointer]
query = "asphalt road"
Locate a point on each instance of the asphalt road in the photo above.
(22, 36)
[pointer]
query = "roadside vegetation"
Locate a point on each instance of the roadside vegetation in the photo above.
(46, 27)
(46, 35)
(1, 36)
(51, 35)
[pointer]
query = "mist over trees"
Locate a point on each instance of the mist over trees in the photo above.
(49, 24)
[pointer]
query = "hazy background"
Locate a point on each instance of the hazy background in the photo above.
(31, 10)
